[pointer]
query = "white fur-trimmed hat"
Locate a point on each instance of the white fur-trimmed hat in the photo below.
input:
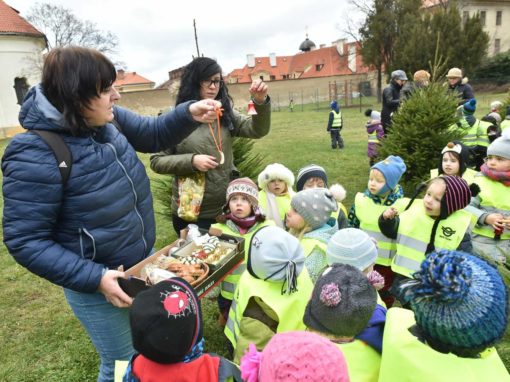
(275, 171)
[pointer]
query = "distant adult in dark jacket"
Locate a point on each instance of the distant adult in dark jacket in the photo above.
(208, 151)
(421, 79)
(391, 98)
(459, 85)
(77, 234)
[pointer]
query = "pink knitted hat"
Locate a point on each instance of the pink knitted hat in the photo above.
(295, 356)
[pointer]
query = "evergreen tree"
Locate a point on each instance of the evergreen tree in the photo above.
(246, 160)
(419, 131)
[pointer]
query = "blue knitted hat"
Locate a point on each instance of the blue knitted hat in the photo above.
(334, 105)
(460, 302)
(392, 169)
(469, 107)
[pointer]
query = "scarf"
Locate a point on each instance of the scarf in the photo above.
(498, 176)
(244, 224)
(395, 194)
(272, 209)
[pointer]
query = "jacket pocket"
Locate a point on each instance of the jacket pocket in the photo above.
(86, 236)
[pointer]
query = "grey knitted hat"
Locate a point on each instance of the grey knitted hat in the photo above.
(351, 246)
(314, 205)
(501, 146)
(275, 255)
(342, 302)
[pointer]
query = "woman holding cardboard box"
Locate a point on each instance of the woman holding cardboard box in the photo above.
(74, 228)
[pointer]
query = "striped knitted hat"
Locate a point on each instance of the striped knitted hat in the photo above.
(456, 197)
(460, 302)
(310, 171)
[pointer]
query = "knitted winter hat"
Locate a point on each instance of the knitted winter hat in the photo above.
(469, 107)
(295, 357)
(310, 171)
(461, 150)
(246, 187)
(460, 302)
(351, 246)
(166, 321)
(275, 255)
(501, 146)
(334, 105)
(454, 73)
(392, 169)
(342, 302)
(275, 171)
(315, 206)
(496, 105)
(457, 195)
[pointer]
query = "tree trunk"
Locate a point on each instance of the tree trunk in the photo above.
(379, 84)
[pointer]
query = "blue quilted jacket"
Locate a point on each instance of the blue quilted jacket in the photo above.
(103, 217)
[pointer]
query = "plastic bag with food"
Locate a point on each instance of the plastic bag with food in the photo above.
(191, 192)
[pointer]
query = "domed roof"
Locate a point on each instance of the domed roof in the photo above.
(307, 45)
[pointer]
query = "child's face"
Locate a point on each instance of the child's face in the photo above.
(433, 196)
(451, 165)
(497, 163)
(277, 187)
(376, 181)
(314, 182)
(240, 206)
(294, 220)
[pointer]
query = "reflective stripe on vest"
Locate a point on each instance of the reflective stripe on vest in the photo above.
(372, 137)
(414, 232)
(406, 358)
(368, 214)
(289, 308)
(228, 285)
(337, 120)
(363, 362)
(494, 198)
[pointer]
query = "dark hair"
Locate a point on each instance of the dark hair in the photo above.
(198, 70)
(368, 112)
(463, 158)
(72, 76)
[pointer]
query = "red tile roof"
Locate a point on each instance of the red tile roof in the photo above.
(12, 23)
(130, 78)
(303, 65)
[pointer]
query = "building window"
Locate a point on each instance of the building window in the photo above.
(497, 45)
(21, 88)
(272, 78)
(483, 15)
(285, 76)
(499, 16)
(318, 67)
(262, 78)
(465, 16)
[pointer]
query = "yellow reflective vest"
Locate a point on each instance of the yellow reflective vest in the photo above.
(483, 138)
(505, 124)
(468, 176)
(414, 232)
(337, 120)
(289, 308)
(363, 362)
(406, 359)
(282, 202)
(368, 214)
(470, 137)
(372, 137)
(495, 198)
(229, 284)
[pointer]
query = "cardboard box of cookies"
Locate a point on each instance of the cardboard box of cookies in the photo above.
(204, 262)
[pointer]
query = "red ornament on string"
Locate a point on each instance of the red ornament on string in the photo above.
(251, 108)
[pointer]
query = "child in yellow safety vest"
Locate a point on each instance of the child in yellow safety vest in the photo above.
(453, 161)
(271, 294)
(314, 176)
(436, 222)
(354, 247)
(275, 183)
(241, 217)
(309, 219)
(459, 312)
(491, 207)
(295, 357)
(340, 308)
(382, 192)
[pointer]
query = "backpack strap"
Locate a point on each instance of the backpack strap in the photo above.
(60, 151)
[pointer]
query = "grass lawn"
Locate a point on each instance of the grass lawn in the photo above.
(41, 339)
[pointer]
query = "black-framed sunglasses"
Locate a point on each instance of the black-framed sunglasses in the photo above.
(208, 83)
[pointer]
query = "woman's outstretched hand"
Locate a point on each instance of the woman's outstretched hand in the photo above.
(204, 111)
(258, 91)
(112, 291)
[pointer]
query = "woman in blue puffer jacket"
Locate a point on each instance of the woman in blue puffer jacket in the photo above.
(76, 233)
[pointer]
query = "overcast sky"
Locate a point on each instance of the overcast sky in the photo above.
(157, 35)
